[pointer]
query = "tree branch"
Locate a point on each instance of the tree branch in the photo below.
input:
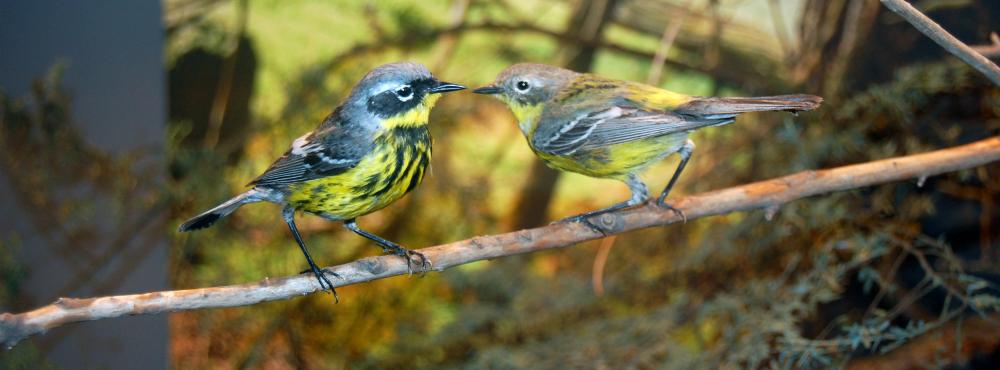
(738, 77)
(991, 50)
(946, 345)
(764, 194)
(946, 40)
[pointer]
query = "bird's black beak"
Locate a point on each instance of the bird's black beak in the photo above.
(443, 87)
(488, 90)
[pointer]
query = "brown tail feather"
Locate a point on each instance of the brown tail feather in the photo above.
(725, 106)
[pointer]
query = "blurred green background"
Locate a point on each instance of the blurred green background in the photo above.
(834, 280)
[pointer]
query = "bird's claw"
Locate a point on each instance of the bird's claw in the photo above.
(663, 204)
(425, 263)
(585, 220)
(325, 283)
(325, 272)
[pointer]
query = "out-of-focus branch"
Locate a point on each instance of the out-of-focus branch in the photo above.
(445, 45)
(991, 50)
(778, 20)
(666, 41)
(597, 274)
(765, 194)
(227, 75)
(946, 345)
(946, 40)
(737, 78)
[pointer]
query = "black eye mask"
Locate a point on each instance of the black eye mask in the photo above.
(393, 102)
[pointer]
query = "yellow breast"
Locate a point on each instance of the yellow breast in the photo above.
(395, 166)
(616, 161)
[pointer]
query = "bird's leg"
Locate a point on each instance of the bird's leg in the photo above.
(685, 153)
(289, 214)
(390, 247)
(639, 196)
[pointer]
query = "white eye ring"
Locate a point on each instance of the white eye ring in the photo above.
(522, 86)
(404, 93)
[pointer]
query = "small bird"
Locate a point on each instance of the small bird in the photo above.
(373, 149)
(614, 129)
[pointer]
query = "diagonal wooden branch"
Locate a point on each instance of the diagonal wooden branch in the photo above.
(764, 194)
(946, 40)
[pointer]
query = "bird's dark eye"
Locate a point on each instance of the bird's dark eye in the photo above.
(404, 92)
(523, 86)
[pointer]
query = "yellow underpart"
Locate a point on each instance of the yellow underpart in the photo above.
(527, 115)
(396, 165)
(616, 161)
(613, 161)
(372, 185)
(418, 116)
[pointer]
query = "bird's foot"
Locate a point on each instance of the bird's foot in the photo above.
(663, 204)
(585, 221)
(325, 272)
(324, 283)
(409, 255)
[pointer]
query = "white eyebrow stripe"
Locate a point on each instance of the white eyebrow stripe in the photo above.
(385, 86)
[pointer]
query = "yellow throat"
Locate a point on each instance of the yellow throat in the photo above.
(417, 116)
(527, 115)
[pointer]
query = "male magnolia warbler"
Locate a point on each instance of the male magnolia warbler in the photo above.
(372, 150)
(614, 129)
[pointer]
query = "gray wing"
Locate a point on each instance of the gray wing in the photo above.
(613, 125)
(315, 155)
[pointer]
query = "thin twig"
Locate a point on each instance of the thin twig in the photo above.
(946, 40)
(597, 274)
(15, 327)
(937, 346)
(666, 41)
(227, 76)
(733, 77)
(778, 21)
(445, 45)
(991, 50)
(893, 269)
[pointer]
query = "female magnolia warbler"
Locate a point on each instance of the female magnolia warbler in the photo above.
(373, 149)
(614, 129)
